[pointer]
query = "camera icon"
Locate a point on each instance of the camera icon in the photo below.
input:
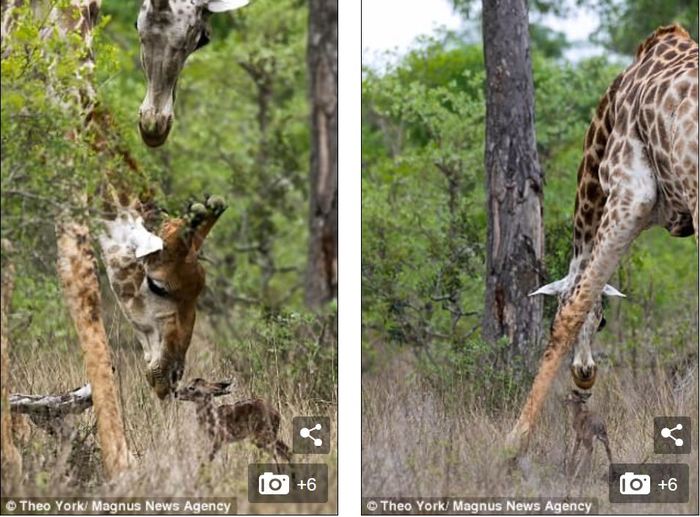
(635, 484)
(270, 483)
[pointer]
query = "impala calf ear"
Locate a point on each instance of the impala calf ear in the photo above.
(609, 290)
(553, 289)
(223, 386)
(220, 6)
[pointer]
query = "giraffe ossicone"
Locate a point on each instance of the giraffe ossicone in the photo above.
(169, 31)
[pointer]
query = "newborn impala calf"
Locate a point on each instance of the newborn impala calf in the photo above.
(251, 418)
(587, 425)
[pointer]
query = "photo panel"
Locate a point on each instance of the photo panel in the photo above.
(529, 272)
(169, 257)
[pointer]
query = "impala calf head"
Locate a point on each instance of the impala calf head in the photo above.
(169, 31)
(576, 398)
(201, 390)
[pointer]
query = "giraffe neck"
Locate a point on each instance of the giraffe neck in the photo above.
(590, 195)
(124, 242)
(124, 239)
(117, 186)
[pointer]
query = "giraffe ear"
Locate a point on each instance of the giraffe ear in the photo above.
(220, 6)
(143, 241)
(609, 290)
(553, 289)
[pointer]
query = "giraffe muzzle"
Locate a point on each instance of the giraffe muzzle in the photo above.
(164, 381)
(155, 127)
(584, 376)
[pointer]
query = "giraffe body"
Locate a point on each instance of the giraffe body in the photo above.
(639, 169)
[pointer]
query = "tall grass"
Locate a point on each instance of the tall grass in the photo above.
(422, 441)
(169, 449)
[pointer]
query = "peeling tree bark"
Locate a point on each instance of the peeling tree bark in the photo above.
(11, 460)
(322, 56)
(52, 406)
(514, 184)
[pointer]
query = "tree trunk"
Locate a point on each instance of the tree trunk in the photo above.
(11, 461)
(77, 270)
(514, 184)
(321, 274)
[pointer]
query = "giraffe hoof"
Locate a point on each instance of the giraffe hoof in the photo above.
(216, 204)
(584, 376)
(198, 209)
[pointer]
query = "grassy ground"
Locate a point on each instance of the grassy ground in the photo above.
(418, 442)
(169, 448)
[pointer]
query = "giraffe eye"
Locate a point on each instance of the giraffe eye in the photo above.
(602, 324)
(156, 287)
(203, 40)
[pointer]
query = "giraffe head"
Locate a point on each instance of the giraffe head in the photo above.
(169, 31)
(583, 368)
(157, 280)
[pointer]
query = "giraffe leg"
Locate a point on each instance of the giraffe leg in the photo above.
(215, 446)
(620, 224)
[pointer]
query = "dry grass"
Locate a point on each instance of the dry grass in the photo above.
(418, 442)
(169, 449)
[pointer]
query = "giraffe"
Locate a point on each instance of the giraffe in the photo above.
(639, 169)
(155, 278)
(169, 31)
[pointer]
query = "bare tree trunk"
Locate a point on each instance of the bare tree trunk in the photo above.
(514, 183)
(321, 274)
(77, 270)
(11, 459)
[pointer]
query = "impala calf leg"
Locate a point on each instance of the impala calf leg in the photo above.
(606, 444)
(215, 446)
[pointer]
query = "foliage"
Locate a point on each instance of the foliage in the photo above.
(241, 131)
(421, 215)
(623, 24)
